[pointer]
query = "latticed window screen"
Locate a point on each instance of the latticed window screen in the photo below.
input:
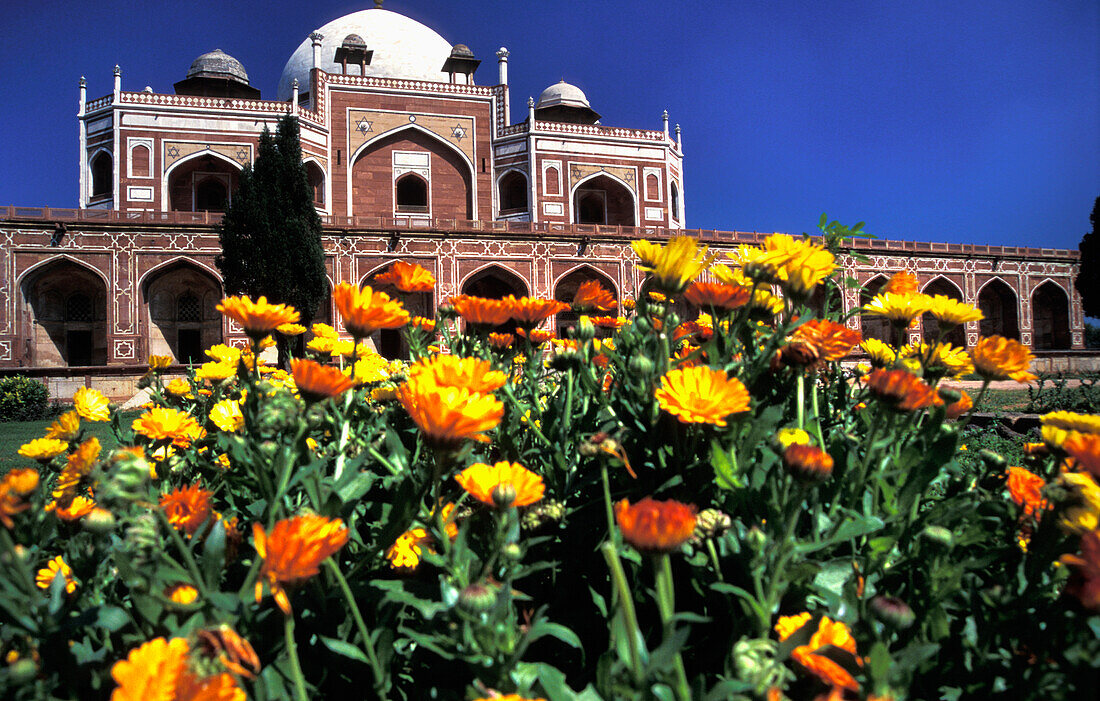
(188, 308)
(78, 308)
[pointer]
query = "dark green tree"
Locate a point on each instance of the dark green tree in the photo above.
(1088, 277)
(271, 235)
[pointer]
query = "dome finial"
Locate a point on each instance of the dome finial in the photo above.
(378, 4)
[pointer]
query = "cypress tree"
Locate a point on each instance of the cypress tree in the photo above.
(1088, 279)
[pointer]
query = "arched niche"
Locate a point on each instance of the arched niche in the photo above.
(931, 325)
(604, 200)
(998, 304)
(826, 290)
(566, 289)
(512, 192)
(1050, 317)
(316, 179)
(872, 326)
(203, 183)
(102, 168)
(65, 307)
(391, 343)
(494, 282)
(180, 303)
(379, 165)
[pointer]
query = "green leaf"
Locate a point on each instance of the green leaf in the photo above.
(721, 461)
(213, 555)
(112, 618)
(344, 649)
(554, 630)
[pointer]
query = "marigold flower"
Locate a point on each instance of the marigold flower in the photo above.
(1059, 426)
(449, 415)
(901, 390)
(370, 367)
(223, 353)
(91, 404)
(952, 312)
(807, 462)
(78, 507)
(258, 318)
(832, 633)
(404, 554)
(216, 371)
(187, 508)
(1085, 449)
(960, 406)
(78, 466)
(501, 340)
(479, 310)
(701, 395)
(407, 277)
(294, 551)
(998, 358)
(1082, 514)
(365, 311)
(177, 387)
(233, 651)
(830, 341)
(291, 329)
(1026, 488)
(451, 371)
(881, 354)
(655, 526)
(46, 575)
(787, 626)
(899, 308)
(943, 357)
(530, 311)
(65, 427)
(900, 283)
(318, 382)
(14, 488)
(423, 323)
(502, 484)
(182, 594)
(163, 423)
(1084, 583)
(537, 337)
(786, 437)
(609, 322)
(43, 449)
(800, 264)
(227, 416)
(676, 263)
(159, 362)
(717, 294)
(150, 672)
(592, 296)
(217, 687)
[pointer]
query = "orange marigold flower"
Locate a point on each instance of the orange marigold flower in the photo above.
(233, 651)
(501, 340)
(187, 508)
(182, 594)
(79, 507)
(43, 449)
(592, 296)
(91, 404)
(536, 336)
(807, 462)
(365, 311)
(162, 423)
(1026, 489)
(529, 311)
(901, 283)
(65, 427)
(449, 415)
(609, 322)
(14, 488)
(258, 318)
(294, 551)
(318, 382)
(1084, 583)
(503, 484)
(629, 303)
(901, 390)
(832, 633)
(404, 554)
(423, 323)
(701, 395)
(407, 277)
(474, 374)
(960, 406)
(150, 672)
(787, 626)
(479, 310)
(218, 687)
(656, 526)
(717, 294)
(1085, 449)
(46, 575)
(999, 358)
(831, 341)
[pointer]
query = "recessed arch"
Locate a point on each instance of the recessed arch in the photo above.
(363, 147)
(101, 168)
(512, 191)
(210, 270)
(566, 285)
(410, 193)
(999, 305)
(931, 326)
(179, 195)
(63, 313)
(872, 326)
(391, 343)
(59, 258)
(318, 181)
(1050, 317)
(494, 281)
(179, 310)
(607, 193)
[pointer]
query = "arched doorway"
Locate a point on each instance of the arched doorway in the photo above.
(103, 175)
(182, 318)
(202, 184)
(65, 314)
(390, 343)
(495, 282)
(997, 303)
(871, 325)
(931, 325)
(442, 184)
(566, 289)
(316, 179)
(603, 200)
(1050, 317)
(513, 193)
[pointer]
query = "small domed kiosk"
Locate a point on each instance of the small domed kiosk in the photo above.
(217, 74)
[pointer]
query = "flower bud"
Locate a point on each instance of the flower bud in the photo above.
(756, 539)
(711, 523)
(892, 611)
(445, 311)
(542, 513)
(585, 330)
(22, 671)
(127, 476)
(939, 535)
(477, 598)
(993, 460)
(142, 534)
(504, 495)
(641, 365)
(513, 552)
(99, 521)
(808, 463)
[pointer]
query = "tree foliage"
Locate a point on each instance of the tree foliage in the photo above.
(271, 235)
(1088, 278)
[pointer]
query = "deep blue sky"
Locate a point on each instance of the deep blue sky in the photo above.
(959, 121)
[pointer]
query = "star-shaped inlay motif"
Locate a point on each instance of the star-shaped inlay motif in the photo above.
(242, 154)
(172, 151)
(364, 125)
(458, 131)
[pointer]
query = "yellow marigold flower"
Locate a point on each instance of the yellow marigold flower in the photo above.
(79, 507)
(216, 371)
(407, 277)
(79, 466)
(404, 554)
(449, 415)
(46, 575)
(1083, 515)
(940, 356)
(1059, 426)
(91, 404)
(294, 551)
(320, 330)
(182, 594)
(178, 387)
(592, 296)
(765, 302)
(882, 354)
(787, 626)
(65, 427)
(159, 362)
(224, 354)
(900, 283)
(162, 423)
(291, 329)
(797, 264)
(503, 484)
(227, 416)
(43, 449)
(786, 437)
(187, 508)
(316, 382)
(150, 672)
(676, 263)
(952, 312)
(365, 311)
(258, 318)
(899, 308)
(701, 395)
(383, 394)
(450, 371)
(998, 358)
(371, 367)
(222, 461)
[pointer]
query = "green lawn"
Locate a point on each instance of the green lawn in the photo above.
(13, 434)
(1006, 400)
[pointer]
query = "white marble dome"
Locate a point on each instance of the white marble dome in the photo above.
(403, 48)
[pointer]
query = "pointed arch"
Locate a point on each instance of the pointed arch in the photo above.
(871, 326)
(57, 259)
(64, 313)
(412, 127)
(999, 305)
(101, 167)
(941, 285)
(392, 343)
(932, 329)
(210, 270)
(1050, 317)
(512, 191)
(590, 202)
(565, 288)
(318, 181)
(179, 315)
(494, 281)
(175, 193)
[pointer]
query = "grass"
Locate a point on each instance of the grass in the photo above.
(14, 434)
(1005, 400)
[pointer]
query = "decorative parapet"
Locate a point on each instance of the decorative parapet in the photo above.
(600, 130)
(403, 84)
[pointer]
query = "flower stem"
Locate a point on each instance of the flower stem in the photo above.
(611, 534)
(292, 653)
(368, 645)
(626, 603)
(714, 559)
(800, 401)
(666, 604)
(817, 416)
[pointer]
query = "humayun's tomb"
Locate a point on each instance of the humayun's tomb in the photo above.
(408, 157)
